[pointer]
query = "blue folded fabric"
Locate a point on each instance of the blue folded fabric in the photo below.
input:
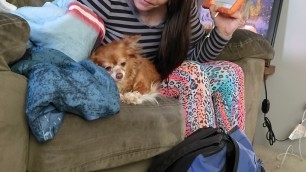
(54, 26)
(58, 84)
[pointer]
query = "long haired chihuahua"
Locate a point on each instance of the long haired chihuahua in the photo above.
(136, 77)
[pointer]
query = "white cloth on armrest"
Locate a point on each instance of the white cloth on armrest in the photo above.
(6, 7)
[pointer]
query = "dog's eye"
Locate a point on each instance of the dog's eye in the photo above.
(123, 64)
(108, 68)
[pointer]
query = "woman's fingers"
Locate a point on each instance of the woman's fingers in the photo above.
(237, 14)
(213, 10)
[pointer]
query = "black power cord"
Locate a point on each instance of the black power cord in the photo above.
(265, 107)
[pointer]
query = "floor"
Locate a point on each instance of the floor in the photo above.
(269, 157)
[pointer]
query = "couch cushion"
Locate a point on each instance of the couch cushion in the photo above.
(14, 33)
(137, 133)
(253, 70)
(247, 44)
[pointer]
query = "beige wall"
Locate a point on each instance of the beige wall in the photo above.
(287, 87)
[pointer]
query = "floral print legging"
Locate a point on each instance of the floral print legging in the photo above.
(212, 94)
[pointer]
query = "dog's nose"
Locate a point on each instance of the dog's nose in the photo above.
(119, 75)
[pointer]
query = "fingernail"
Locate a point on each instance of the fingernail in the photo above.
(216, 14)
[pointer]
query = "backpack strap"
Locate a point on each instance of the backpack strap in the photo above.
(233, 152)
(203, 137)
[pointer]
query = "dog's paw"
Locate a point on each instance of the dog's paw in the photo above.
(131, 98)
(121, 97)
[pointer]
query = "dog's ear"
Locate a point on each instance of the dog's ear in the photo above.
(93, 56)
(131, 43)
(131, 39)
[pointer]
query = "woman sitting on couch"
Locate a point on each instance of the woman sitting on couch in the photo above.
(211, 92)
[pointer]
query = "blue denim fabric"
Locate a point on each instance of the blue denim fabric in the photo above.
(57, 84)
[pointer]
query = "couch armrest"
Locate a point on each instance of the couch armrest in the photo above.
(247, 44)
(253, 69)
(14, 134)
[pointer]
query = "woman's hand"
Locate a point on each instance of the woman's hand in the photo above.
(226, 25)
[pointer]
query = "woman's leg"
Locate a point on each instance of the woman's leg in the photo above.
(227, 89)
(191, 85)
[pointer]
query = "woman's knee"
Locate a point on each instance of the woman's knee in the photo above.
(236, 68)
(193, 71)
(235, 74)
(224, 70)
(188, 76)
(233, 69)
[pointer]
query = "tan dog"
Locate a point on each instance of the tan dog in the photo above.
(136, 76)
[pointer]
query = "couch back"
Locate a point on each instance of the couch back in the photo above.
(22, 3)
(14, 34)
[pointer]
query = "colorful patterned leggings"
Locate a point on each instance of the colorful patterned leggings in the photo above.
(212, 94)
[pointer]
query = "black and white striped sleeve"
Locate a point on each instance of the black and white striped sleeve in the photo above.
(204, 48)
(101, 7)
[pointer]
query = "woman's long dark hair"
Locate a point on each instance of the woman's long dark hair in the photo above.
(175, 39)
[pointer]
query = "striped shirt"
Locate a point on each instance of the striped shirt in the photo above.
(121, 19)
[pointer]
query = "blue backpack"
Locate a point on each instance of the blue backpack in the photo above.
(210, 150)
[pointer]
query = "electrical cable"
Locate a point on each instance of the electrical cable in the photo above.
(300, 156)
(270, 136)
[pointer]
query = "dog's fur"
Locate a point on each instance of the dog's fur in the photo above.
(136, 76)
